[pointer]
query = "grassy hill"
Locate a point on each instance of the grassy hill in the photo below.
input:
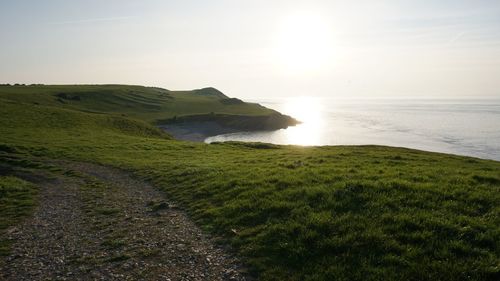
(292, 213)
(145, 103)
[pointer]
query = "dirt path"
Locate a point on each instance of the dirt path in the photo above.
(98, 223)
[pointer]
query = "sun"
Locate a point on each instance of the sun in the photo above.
(308, 111)
(303, 42)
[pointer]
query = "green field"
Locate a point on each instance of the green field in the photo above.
(291, 213)
(149, 104)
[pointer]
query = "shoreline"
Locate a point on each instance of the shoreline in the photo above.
(199, 127)
(196, 131)
(201, 131)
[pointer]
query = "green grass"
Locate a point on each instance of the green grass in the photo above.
(113, 243)
(107, 211)
(118, 258)
(295, 213)
(16, 202)
(145, 103)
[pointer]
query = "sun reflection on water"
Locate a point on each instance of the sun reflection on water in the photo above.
(308, 111)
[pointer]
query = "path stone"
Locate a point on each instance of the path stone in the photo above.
(99, 223)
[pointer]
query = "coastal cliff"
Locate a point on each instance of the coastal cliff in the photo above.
(196, 113)
(199, 127)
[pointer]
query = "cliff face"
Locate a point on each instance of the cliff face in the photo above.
(269, 122)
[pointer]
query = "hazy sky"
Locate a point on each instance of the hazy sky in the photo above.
(254, 49)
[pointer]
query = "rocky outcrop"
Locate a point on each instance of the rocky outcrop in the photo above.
(269, 122)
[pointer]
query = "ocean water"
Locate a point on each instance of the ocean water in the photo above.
(463, 127)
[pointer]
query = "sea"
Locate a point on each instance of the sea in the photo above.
(468, 127)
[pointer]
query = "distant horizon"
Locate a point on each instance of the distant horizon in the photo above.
(257, 98)
(387, 48)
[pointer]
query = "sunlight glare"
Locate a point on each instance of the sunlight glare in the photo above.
(303, 42)
(308, 111)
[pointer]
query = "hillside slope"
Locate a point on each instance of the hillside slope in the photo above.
(291, 213)
(149, 104)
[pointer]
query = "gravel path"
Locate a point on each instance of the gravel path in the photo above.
(98, 223)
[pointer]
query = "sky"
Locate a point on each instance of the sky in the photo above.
(259, 49)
